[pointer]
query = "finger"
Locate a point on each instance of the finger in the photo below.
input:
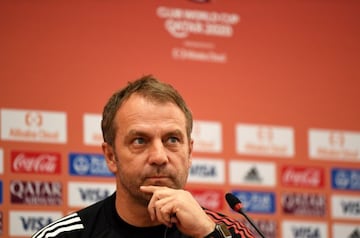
(156, 202)
(150, 188)
(164, 212)
(152, 208)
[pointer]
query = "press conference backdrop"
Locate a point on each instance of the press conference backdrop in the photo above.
(273, 86)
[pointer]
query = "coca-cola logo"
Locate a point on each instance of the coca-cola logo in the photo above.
(30, 162)
(303, 177)
(208, 199)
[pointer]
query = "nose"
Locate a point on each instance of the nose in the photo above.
(157, 153)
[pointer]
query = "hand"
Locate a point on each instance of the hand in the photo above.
(174, 206)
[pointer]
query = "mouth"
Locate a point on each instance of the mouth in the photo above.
(158, 180)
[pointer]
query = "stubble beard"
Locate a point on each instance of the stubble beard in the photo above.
(132, 186)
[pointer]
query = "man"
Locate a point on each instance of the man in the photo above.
(147, 145)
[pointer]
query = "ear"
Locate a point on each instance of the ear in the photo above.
(110, 157)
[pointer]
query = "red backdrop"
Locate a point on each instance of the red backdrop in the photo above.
(292, 64)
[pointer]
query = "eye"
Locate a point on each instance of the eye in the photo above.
(172, 140)
(139, 141)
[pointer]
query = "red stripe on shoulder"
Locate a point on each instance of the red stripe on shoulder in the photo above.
(238, 227)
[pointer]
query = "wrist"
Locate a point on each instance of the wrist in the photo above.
(220, 231)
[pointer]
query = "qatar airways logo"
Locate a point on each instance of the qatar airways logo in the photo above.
(36, 192)
(264, 140)
(34, 126)
(267, 227)
(181, 23)
(304, 204)
(331, 144)
(298, 176)
(35, 162)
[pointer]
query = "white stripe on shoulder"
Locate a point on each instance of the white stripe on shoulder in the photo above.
(63, 229)
(67, 223)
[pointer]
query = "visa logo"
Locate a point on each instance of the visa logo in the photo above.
(203, 171)
(34, 223)
(93, 194)
(306, 232)
(351, 207)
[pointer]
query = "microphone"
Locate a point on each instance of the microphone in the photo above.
(236, 205)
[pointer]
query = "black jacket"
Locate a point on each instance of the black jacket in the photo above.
(101, 220)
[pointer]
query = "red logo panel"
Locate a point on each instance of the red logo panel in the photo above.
(297, 176)
(211, 199)
(35, 162)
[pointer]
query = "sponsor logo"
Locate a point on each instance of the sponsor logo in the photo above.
(34, 126)
(257, 202)
(1, 223)
(346, 207)
(207, 136)
(250, 173)
(207, 171)
(82, 194)
(264, 140)
(298, 176)
(212, 199)
(1, 192)
(299, 229)
(345, 179)
(1, 161)
(35, 162)
(267, 227)
(36, 192)
(92, 129)
(181, 23)
(26, 223)
(346, 230)
(182, 53)
(330, 144)
(303, 204)
(88, 165)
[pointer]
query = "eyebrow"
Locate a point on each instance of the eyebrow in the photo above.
(133, 133)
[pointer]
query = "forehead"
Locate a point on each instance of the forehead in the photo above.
(138, 111)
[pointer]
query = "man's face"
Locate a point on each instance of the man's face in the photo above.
(151, 147)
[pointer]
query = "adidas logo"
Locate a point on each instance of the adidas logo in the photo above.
(355, 234)
(253, 175)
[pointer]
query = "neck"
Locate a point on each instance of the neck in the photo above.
(132, 212)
